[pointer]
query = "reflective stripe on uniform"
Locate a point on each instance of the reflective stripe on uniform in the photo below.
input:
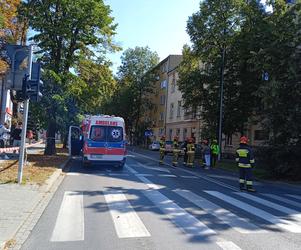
(242, 165)
(252, 161)
(242, 152)
(241, 181)
(249, 183)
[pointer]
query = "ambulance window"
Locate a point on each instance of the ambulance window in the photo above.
(98, 133)
(115, 134)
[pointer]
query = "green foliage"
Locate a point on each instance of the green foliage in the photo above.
(71, 34)
(135, 85)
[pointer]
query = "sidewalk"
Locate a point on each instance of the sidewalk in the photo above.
(22, 206)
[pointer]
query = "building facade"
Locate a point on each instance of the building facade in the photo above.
(179, 121)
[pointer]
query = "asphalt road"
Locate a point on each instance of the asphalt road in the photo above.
(147, 206)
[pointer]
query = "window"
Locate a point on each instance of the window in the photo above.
(163, 84)
(170, 134)
(178, 131)
(260, 135)
(171, 110)
(98, 133)
(173, 83)
(185, 133)
(114, 134)
(229, 140)
(103, 133)
(161, 131)
(162, 99)
(161, 116)
(179, 109)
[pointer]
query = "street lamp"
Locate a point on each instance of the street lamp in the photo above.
(221, 104)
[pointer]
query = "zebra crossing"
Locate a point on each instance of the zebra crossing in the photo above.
(70, 222)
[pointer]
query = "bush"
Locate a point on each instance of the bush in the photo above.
(281, 162)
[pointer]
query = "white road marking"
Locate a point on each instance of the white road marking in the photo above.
(200, 176)
(227, 245)
(73, 174)
(153, 168)
(239, 224)
(177, 215)
(118, 174)
(285, 224)
(145, 175)
(298, 197)
(167, 175)
(280, 198)
(291, 212)
(69, 224)
(127, 223)
(189, 176)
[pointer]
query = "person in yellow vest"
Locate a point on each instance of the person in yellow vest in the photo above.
(190, 152)
(162, 149)
(214, 152)
(176, 151)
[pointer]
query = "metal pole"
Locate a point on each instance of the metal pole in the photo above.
(24, 124)
(221, 105)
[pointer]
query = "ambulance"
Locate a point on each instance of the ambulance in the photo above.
(100, 139)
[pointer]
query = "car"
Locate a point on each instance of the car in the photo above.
(168, 147)
(154, 146)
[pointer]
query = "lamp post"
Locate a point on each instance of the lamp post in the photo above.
(221, 103)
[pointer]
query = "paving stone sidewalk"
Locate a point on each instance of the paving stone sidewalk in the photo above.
(21, 207)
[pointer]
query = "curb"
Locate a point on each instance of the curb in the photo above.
(56, 174)
(48, 189)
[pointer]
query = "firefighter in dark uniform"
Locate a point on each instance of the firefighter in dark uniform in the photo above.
(190, 152)
(176, 151)
(246, 161)
(184, 146)
(162, 149)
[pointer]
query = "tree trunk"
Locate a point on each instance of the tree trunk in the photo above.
(65, 142)
(50, 141)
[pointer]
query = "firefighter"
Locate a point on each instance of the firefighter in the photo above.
(162, 149)
(190, 152)
(245, 160)
(176, 151)
(184, 146)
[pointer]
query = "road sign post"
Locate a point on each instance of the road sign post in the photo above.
(24, 123)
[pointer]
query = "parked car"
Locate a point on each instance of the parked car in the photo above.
(154, 146)
(168, 147)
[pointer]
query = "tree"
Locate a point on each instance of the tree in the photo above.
(136, 81)
(212, 31)
(66, 30)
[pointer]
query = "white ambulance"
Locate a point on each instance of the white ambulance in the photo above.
(100, 139)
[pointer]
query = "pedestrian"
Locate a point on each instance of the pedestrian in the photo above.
(29, 136)
(246, 161)
(16, 135)
(214, 152)
(176, 151)
(4, 135)
(207, 154)
(184, 146)
(190, 152)
(162, 149)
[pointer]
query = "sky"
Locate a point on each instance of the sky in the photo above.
(158, 24)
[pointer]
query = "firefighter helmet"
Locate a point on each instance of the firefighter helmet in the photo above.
(176, 138)
(243, 140)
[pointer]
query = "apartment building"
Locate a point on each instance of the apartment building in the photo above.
(179, 122)
(156, 117)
